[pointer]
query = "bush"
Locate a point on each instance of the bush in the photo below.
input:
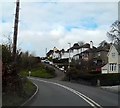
(51, 71)
(109, 79)
(12, 99)
(105, 79)
(73, 73)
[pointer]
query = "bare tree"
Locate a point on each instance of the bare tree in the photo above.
(114, 33)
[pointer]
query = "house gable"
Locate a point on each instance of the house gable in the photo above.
(113, 55)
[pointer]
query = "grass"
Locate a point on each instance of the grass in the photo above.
(40, 71)
(16, 99)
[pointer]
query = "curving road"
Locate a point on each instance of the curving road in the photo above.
(53, 92)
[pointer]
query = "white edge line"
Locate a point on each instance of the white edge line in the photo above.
(87, 99)
(31, 96)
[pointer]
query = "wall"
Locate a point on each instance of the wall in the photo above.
(112, 59)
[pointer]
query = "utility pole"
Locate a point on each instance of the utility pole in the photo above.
(69, 74)
(46, 52)
(69, 55)
(15, 30)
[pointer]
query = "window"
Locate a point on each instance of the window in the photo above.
(113, 67)
(113, 54)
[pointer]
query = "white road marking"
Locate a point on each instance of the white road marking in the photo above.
(87, 99)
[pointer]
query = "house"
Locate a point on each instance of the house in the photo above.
(113, 65)
(50, 54)
(74, 50)
(101, 53)
(64, 54)
(95, 56)
(54, 54)
(87, 53)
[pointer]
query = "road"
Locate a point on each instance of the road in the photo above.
(53, 92)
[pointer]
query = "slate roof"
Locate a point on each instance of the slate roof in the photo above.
(50, 52)
(105, 48)
(76, 46)
(117, 48)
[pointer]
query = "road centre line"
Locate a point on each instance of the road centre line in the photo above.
(85, 98)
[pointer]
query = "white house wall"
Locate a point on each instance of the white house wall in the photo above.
(105, 69)
(119, 59)
(73, 53)
(65, 55)
(76, 57)
(56, 55)
(112, 59)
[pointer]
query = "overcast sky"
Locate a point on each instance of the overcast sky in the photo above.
(47, 24)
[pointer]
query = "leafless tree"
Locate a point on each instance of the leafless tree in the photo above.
(114, 33)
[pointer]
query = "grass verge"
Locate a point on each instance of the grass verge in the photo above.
(40, 71)
(16, 99)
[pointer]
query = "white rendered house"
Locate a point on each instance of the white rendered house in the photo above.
(113, 65)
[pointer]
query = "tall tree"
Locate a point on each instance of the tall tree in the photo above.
(114, 33)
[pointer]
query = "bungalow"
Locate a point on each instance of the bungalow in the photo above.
(113, 65)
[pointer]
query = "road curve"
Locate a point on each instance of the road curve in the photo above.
(51, 93)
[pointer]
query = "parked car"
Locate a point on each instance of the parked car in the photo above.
(50, 62)
(46, 61)
(62, 68)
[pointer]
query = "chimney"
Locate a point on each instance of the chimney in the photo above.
(91, 44)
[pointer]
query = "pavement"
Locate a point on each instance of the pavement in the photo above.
(115, 89)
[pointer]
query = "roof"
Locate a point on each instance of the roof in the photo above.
(50, 52)
(117, 48)
(91, 50)
(62, 50)
(55, 49)
(85, 46)
(103, 48)
(77, 46)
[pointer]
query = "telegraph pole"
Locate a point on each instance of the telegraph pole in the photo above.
(46, 52)
(15, 30)
(69, 60)
(69, 75)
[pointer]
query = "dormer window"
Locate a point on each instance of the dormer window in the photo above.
(113, 54)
